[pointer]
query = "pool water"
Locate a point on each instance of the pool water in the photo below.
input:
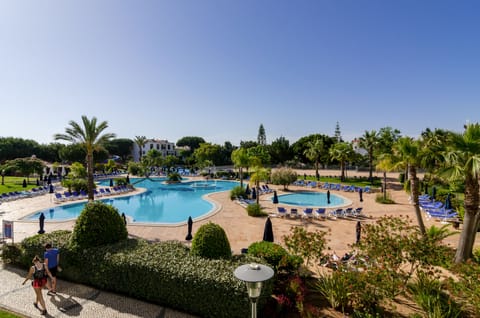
(312, 199)
(161, 203)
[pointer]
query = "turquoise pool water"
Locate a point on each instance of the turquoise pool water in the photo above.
(312, 199)
(161, 203)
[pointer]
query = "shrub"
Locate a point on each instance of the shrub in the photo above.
(162, 273)
(384, 200)
(211, 241)
(284, 176)
(255, 210)
(427, 292)
(271, 252)
(98, 224)
(237, 192)
(174, 177)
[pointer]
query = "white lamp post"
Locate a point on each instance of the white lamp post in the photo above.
(253, 275)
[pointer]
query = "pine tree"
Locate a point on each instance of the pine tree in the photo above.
(262, 138)
(338, 134)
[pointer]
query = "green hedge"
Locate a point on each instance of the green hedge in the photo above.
(163, 273)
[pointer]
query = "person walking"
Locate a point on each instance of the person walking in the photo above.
(358, 230)
(52, 260)
(39, 271)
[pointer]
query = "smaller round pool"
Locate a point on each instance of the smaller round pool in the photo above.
(312, 199)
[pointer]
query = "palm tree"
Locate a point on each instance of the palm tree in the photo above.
(369, 141)
(342, 152)
(90, 136)
(409, 156)
(140, 141)
(313, 152)
(240, 159)
(462, 162)
(259, 174)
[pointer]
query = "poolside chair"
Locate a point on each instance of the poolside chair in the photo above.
(367, 189)
(337, 213)
(58, 198)
(308, 213)
(294, 213)
(357, 212)
(321, 213)
(281, 211)
(348, 212)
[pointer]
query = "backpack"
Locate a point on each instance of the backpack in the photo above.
(39, 273)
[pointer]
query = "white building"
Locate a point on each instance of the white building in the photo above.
(357, 148)
(163, 146)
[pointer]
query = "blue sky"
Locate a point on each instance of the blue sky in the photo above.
(219, 69)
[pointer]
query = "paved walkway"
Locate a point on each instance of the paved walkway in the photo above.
(73, 300)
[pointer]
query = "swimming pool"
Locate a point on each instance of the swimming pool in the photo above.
(161, 203)
(312, 199)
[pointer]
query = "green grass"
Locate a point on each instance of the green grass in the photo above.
(12, 184)
(6, 314)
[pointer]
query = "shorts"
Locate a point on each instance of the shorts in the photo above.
(39, 283)
(53, 271)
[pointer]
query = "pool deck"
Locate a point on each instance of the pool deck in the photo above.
(241, 230)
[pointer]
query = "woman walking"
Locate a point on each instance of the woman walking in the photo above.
(39, 272)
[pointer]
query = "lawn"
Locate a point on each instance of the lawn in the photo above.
(6, 314)
(12, 184)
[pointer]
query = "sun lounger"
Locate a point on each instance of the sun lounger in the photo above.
(294, 213)
(321, 213)
(281, 211)
(308, 213)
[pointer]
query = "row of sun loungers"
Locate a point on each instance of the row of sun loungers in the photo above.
(71, 196)
(436, 209)
(10, 196)
(332, 186)
(320, 213)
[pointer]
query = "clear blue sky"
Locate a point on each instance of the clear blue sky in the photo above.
(219, 69)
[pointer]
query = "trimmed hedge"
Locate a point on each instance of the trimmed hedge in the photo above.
(163, 273)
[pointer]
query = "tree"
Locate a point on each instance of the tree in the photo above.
(90, 136)
(313, 153)
(240, 160)
(342, 152)
(284, 176)
(153, 159)
(409, 156)
(26, 166)
(121, 147)
(262, 138)
(191, 142)
(338, 134)
(280, 150)
(260, 153)
(207, 151)
(140, 141)
(259, 174)
(301, 145)
(462, 162)
(369, 141)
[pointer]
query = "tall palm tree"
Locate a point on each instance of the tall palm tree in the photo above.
(240, 159)
(462, 162)
(313, 152)
(90, 136)
(343, 152)
(140, 141)
(369, 141)
(259, 174)
(409, 156)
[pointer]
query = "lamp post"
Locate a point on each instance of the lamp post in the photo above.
(253, 275)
